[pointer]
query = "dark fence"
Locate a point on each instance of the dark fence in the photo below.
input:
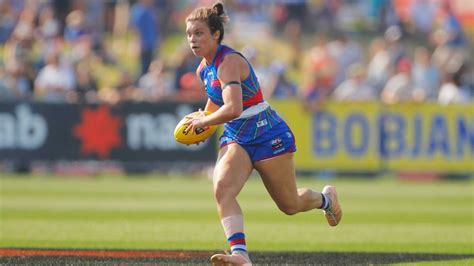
(126, 133)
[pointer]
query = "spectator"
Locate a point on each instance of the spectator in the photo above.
(376, 10)
(155, 85)
(451, 51)
(186, 63)
(448, 59)
(279, 85)
(86, 84)
(94, 12)
(190, 88)
(48, 34)
(395, 48)
(29, 30)
(325, 14)
(14, 83)
(6, 94)
(291, 17)
(86, 29)
(452, 93)
(55, 81)
(81, 38)
(19, 48)
(465, 78)
(19, 82)
(355, 87)
(346, 52)
(125, 87)
(389, 16)
(399, 88)
(319, 71)
(49, 26)
(426, 76)
(422, 14)
(452, 27)
(75, 27)
(7, 21)
(379, 68)
(145, 23)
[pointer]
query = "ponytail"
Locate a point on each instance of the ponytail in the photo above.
(218, 8)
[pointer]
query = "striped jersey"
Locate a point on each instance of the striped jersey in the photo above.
(246, 129)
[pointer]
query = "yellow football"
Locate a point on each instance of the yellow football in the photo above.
(195, 136)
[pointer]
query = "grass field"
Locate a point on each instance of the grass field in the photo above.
(178, 213)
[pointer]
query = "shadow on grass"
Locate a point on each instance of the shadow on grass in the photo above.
(258, 258)
(350, 258)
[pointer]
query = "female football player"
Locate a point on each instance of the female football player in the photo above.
(254, 137)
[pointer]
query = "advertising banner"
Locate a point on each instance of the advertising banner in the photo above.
(373, 137)
(428, 137)
(126, 132)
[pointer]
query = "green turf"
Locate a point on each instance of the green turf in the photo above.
(179, 213)
(464, 262)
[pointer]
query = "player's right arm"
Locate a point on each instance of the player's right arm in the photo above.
(210, 106)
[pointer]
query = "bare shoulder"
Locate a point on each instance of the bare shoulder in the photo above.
(235, 64)
(233, 60)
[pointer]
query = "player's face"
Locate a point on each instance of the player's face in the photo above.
(200, 39)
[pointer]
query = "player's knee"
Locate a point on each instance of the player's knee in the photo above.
(288, 209)
(222, 190)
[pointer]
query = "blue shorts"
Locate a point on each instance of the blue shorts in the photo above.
(277, 141)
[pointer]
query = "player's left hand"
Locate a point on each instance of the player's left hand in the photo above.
(195, 121)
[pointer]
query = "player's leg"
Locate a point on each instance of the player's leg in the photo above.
(232, 170)
(278, 175)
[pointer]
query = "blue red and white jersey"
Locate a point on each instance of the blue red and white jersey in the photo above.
(241, 129)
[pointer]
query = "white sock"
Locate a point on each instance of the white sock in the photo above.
(233, 224)
(234, 230)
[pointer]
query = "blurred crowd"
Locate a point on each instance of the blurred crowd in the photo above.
(347, 50)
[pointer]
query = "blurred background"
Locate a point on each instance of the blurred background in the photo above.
(369, 86)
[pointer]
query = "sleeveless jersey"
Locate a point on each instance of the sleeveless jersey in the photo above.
(246, 129)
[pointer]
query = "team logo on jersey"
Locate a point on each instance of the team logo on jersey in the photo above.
(277, 144)
(262, 123)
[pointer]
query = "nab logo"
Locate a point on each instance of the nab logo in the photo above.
(23, 129)
(99, 131)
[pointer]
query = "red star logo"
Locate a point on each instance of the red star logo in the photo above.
(98, 131)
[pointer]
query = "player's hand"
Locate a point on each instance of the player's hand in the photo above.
(195, 121)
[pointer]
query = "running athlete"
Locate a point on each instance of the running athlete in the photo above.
(254, 137)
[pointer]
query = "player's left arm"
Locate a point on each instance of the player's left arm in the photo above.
(230, 74)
